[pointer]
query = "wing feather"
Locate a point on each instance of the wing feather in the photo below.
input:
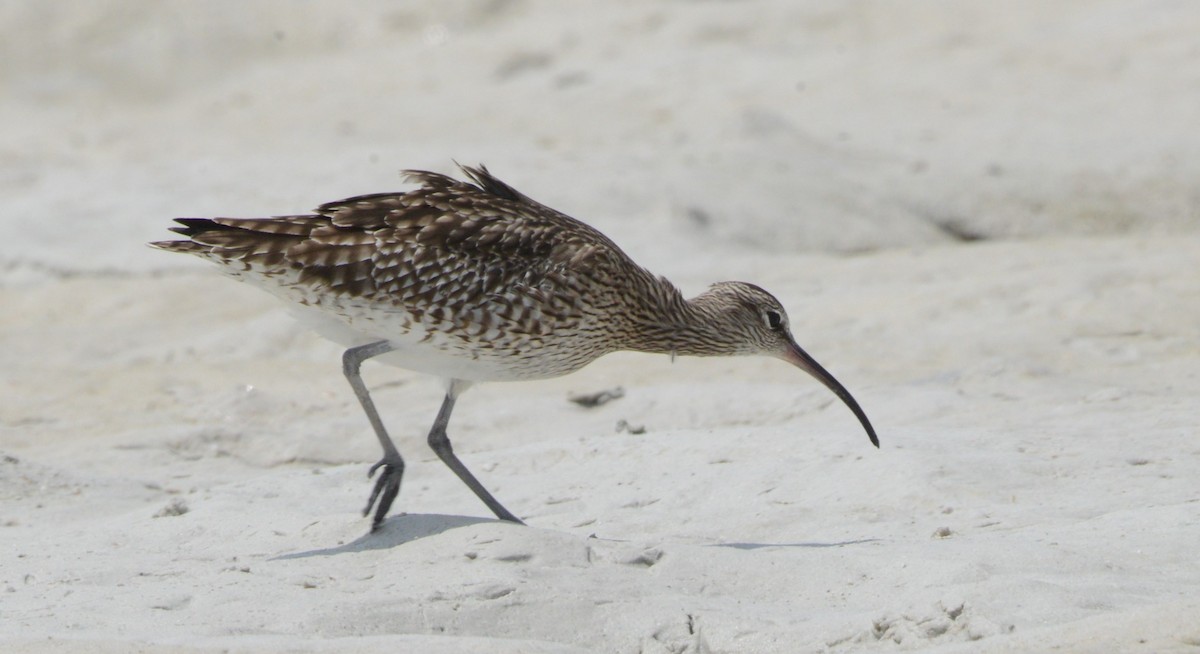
(482, 244)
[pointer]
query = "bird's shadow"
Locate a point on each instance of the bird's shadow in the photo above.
(409, 527)
(394, 532)
(756, 546)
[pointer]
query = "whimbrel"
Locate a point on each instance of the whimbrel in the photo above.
(474, 282)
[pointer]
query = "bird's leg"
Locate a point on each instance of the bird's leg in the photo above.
(388, 484)
(440, 442)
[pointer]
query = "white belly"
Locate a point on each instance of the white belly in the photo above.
(425, 348)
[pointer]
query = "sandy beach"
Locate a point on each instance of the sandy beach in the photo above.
(983, 218)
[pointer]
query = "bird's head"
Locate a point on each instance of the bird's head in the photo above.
(755, 322)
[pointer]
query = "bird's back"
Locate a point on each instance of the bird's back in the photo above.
(470, 280)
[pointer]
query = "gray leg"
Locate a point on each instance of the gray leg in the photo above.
(388, 484)
(440, 442)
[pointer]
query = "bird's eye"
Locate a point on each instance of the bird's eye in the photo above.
(774, 320)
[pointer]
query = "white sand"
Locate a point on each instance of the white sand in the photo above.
(181, 466)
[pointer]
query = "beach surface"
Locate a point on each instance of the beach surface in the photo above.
(983, 219)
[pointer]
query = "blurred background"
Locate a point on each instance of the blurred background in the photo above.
(771, 125)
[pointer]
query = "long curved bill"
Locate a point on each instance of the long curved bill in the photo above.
(799, 358)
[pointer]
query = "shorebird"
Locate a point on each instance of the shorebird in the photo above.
(473, 281)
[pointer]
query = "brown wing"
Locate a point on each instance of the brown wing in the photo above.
(481, 246)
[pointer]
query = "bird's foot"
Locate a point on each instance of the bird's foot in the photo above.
(506, 515)
(387, 487)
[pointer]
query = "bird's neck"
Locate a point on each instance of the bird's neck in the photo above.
(667, 323)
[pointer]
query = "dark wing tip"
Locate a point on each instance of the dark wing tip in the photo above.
(489, 183)
(192, 226)
(480, 178)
